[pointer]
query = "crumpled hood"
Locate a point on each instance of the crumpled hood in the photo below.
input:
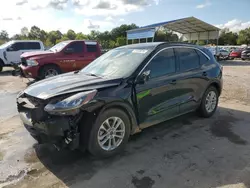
(68, 83)
(27, 55)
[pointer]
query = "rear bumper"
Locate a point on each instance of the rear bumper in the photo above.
(29, 72)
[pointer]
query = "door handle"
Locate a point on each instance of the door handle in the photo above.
(173, 82)
(204, 74)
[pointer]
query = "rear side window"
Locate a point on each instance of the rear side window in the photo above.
(162, 64)
(91, 48)
(77, 47)
(32, 46)
(202, 57)
(18, 46)
(188, 58)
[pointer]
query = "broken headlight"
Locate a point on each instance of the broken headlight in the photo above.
(70, 105)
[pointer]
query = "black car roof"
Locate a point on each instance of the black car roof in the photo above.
(153, 45)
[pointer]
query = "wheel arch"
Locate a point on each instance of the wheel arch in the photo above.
(217, 86)
(125, 108)
(47, 64)
(1, 62)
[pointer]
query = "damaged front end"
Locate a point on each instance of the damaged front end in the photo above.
(54, 120)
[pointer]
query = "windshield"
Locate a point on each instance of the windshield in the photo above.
(119, 62)
(6, 44)
(58, 47)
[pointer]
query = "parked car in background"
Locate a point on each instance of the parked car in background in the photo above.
(236, 53)
(10, 52)
(120, 93)
(245, 54)
(222, 53)
(64, 57)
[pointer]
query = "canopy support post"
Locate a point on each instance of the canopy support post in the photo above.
(217, 41)
(207, 37)
(198, 38)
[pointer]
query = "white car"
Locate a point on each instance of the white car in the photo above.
(10, 52)
(222, 53)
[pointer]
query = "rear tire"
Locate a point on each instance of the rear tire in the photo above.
(1, 65)
(113, 125)
(209, 102)
(49, 71)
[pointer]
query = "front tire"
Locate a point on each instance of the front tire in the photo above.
(209, 102)
(109, 133)
(1, 65)
(48, 71)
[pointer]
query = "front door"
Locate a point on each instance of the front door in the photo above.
(14, 52)
(71, 61)
(158, 98)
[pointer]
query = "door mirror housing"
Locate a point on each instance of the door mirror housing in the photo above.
(10, 49)
(144, 77)
(68, 51)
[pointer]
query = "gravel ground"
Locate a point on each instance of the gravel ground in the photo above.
(184, 152)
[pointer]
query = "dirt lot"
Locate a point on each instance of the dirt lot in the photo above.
(184, 152)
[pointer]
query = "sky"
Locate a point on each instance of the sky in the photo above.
(86, 15)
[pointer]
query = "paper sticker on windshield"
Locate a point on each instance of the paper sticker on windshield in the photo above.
(139, 51)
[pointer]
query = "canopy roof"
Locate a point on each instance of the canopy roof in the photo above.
(191, 28)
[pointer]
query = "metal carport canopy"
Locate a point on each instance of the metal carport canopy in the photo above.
(191, 28)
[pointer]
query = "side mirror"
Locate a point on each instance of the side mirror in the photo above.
(68, 51)
(9, 49)
(144, 77)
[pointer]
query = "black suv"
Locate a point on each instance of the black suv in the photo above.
(245, 54)
(120, 93)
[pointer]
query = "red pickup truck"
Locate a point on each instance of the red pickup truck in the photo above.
(64, 57)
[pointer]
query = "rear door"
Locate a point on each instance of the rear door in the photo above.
(194, 77)
(157, 98)
(32, 46)
(91, 52)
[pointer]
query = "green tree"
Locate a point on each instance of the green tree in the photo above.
(4, 35)
(227, 37)
(81, 36)
(71, 34)
(120, 41)
(244, 37)
(94, 35)
(166, 35)
(43, 36)
(24, 32)
(53, 36)
(112, 44)
(35, 32)
(121, 31)
(104, 39)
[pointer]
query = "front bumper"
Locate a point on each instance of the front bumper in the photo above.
(59, 130)
(54, 127)
(245, 56)
(29, 72)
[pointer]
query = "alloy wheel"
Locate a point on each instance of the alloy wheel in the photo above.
(50, 72)
(211, 101)
(111, 133)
